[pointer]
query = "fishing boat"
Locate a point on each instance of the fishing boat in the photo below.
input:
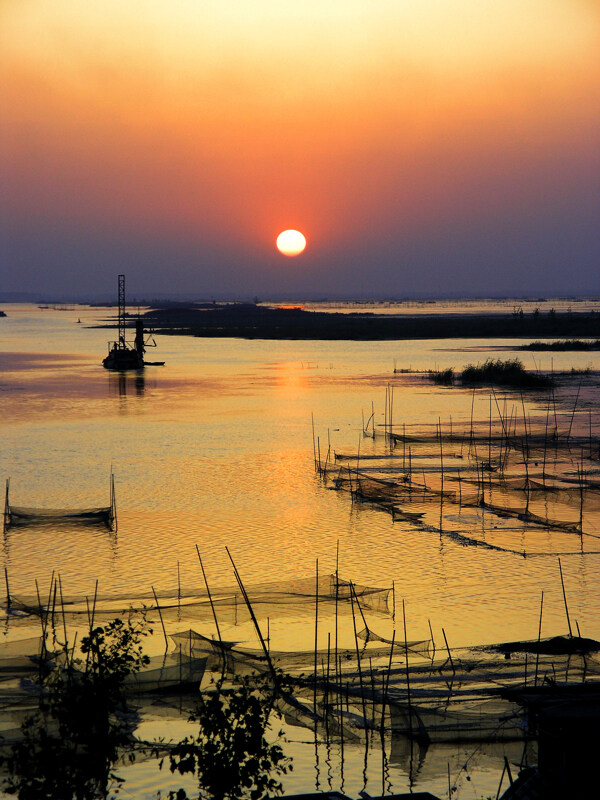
(123, 354)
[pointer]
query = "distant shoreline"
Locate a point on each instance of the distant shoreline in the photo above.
(249, 321)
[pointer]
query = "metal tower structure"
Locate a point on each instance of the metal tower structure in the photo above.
(121, 315)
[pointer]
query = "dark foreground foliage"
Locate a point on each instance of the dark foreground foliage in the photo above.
(230, 756)
(504, 373)
(82, 724)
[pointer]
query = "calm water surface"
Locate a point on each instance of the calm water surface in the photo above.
(215, 449)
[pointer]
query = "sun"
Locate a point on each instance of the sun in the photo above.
(291, 243)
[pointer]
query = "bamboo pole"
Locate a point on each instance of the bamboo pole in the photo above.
(449, 653)
(407, 672)
(161, 620)
(432, 639)
(337, 593)
(254, 620)
(386, 681)
(316, 631)
(360, 676)
(6, 515)
(565, 598)
(441, 459)
(210, 600)
(537, 655)
(574, 409)
(7, 588)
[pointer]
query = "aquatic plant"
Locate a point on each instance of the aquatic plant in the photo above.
(563, 345)
(443, 377)
(230, 755)
(504, 373)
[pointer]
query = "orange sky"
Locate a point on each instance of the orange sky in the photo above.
(205, 128)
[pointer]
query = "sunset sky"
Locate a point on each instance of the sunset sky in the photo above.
(438, 147)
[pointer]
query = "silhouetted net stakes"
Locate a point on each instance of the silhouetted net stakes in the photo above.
(413, 700)
(482, 482)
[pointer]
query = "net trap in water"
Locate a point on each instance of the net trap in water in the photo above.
(514, 482)
(28, 515)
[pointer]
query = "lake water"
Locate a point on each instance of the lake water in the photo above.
(215, 449)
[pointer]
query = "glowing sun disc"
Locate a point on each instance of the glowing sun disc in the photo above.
(291, 243)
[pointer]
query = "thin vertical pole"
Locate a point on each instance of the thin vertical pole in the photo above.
(565, 598)
(360, 676)
(161, 619)
(337, 594)
(6, 515)
(574, 408)
(212, 605)
(7, 588)
(432, 639)
(407, 672)
(537, 656)
(316, 630)
(441, 457)
(448, 649)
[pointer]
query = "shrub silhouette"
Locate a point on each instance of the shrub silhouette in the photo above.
(73, 739)
(230, 756)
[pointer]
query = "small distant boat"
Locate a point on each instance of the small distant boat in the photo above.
(123, 355)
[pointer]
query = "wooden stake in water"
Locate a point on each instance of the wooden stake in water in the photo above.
(565, 599)
(581, 488)
(6, 515)
(254, 620)
(441, 459)
(360, 675)
(161, 619)
(448, 649)
(537, 655)
(386, 681)
(210, 600)
(316, 630)
(7, 589)
(407, 672)
(432, 639)
(574, 409)
(337, 593)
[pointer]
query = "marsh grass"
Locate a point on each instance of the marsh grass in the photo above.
(504, 373)
(443, 377)
(577, 345)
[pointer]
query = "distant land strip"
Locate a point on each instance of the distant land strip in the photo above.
(249, 321)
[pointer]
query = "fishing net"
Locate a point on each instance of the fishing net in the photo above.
(29, 515)
(490, 484)
(427, 707)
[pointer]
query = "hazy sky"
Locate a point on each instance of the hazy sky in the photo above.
(422, 146)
